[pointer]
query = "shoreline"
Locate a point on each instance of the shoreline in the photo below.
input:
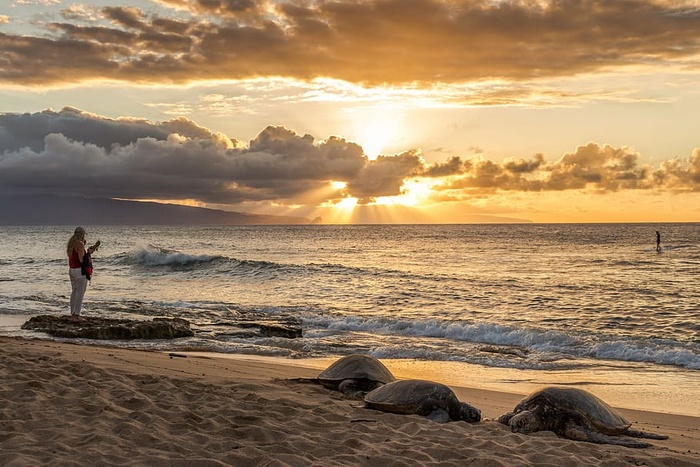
(613, 381)
(88, 405)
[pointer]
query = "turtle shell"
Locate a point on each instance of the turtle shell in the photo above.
(553, 401)
(357, 367)
(410, 397)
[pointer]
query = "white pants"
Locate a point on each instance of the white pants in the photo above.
(78, 284)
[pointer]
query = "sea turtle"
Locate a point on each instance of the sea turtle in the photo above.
(575, 414)
(415, 396)
(354, 375)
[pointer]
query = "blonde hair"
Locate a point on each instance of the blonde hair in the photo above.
(76, 238)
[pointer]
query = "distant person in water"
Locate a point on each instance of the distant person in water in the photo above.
(76, 254)
(658, 241)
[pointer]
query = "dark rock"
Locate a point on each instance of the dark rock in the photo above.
(253, 325)
(289, 331)
(107, 328)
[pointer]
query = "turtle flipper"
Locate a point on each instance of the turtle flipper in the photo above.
(579, 433)
(644, 434)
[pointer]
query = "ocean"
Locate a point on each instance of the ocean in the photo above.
(488, 305)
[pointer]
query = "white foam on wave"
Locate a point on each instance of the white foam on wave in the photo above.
(636, 351)
(486, 333)
(546, 344)
(154, 256)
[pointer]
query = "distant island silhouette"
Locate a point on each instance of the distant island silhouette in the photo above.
(60, 210)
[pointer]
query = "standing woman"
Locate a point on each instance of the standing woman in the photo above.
(76, 252)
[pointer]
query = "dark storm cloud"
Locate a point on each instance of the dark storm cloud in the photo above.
(20, 130)
(75, 153)
(69, 151)
(382, 41)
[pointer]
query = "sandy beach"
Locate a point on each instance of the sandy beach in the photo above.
(68, 404)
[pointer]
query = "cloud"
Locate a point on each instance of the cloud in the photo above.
(605, 168)
(591, 167)
(385, 176)
(77, 153)
(29, 130)
(71, 151)
(371, 42)
(677, 175)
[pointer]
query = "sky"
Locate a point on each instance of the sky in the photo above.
(351, 111)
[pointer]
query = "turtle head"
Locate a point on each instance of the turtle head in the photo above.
(351, 388)
(524, 422)
(505, 418)
(469, 413)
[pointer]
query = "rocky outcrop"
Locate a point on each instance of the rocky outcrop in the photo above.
(279, 327)
(243, 326)
(107, 328)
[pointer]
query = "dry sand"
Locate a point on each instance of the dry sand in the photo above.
(66, 404)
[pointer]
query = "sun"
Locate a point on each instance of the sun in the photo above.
(414, 193)
(376, 129)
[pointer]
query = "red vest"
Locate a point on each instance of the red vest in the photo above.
(74, 260)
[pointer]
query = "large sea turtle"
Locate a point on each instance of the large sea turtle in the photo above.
(415, 396)
(575, 414)
(355, 375)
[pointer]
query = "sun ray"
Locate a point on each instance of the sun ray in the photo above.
(342, 211)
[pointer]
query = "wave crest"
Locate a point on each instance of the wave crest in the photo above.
(532, 346)
(154, 256)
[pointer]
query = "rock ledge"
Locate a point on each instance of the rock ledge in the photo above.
(107, 328)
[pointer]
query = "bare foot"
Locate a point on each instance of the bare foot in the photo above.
(77, 319)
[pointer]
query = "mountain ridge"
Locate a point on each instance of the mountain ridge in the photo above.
(60, 210)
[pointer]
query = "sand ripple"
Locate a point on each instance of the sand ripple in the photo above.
(56, 411)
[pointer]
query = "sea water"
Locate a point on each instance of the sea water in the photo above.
(527, 304)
